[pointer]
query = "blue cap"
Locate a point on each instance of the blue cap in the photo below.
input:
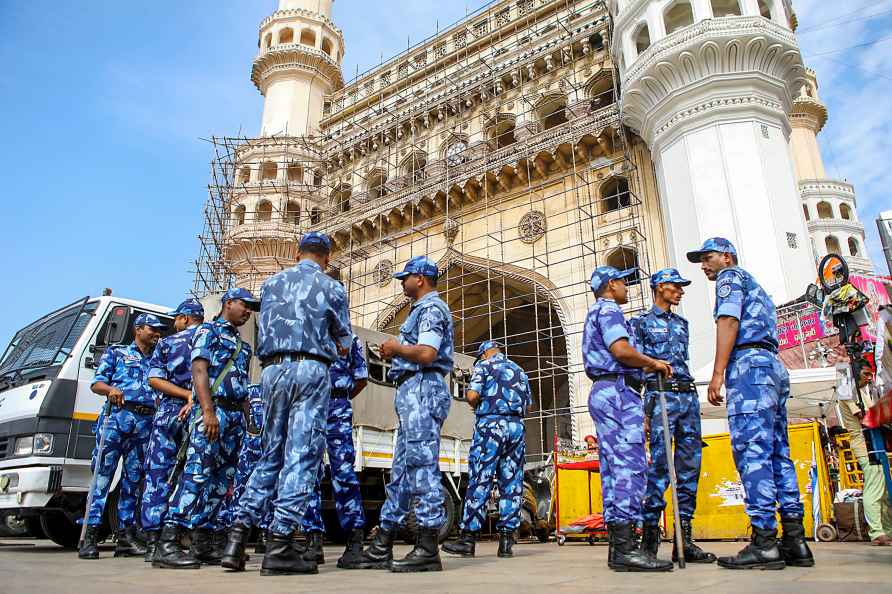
(245, 295)
(315, 239)
(668, 275)
(189, 307)
(148, 320)
(418, 265)
(604, 274)
(713, 244)
(486, 345)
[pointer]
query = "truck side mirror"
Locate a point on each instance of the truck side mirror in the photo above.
(116, 324)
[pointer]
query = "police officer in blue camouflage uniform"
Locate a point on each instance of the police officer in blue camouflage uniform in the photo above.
(663, 334)
(757, 387)
(612, 362)
(304, 325)
(421, 357)
(127, 420)
(499, 391)
(170, 375)
(220, 361)
(349, 376)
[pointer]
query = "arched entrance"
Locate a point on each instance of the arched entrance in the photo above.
(518, 308)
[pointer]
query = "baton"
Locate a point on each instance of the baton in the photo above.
(106, 413)
(670, 459)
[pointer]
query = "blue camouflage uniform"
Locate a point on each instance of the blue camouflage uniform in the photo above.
(616, 408)
(197, 501)
(344, 372)
(171, 361)
(127, 429)
(422, 404)
(497, 450)
(248, 456)
(303, 320)
(664, 335)
(757, 387)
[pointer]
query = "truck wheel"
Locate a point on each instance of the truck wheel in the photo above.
(12, 525)
(60, 529)
(34, 527)
(445, 529)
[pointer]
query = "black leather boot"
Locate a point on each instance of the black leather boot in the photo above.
(234, 556)
(127, 545)
(506, 543)
(202, 547)
(89, 548)
(793, 547)
(260, 545)
(692, 553)
(650, 539)
(424, 557)
(464, 546)
(313, 548)
(761, 553)
(627, 555)
(352, 557)
(282, 558)
(169, 555)
(151, 544)
(379, 555)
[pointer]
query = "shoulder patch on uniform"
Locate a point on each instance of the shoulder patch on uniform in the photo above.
(725, 291)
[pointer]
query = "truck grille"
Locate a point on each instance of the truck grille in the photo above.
(4, 447)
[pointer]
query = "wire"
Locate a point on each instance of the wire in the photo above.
(837, 23)
(842, 49)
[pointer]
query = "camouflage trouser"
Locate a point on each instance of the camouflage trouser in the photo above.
(497, 451)
(619, 421)
(422, 403)
(209, 470)
(684, 427)
(296, 396)
(126, 436)
(248, 456)
(344, 482)
(167, 434)
(757, 392)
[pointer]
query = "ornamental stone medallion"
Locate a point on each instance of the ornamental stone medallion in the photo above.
(532, 226)
(383, 273)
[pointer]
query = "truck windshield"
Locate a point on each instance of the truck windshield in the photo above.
(48, 341)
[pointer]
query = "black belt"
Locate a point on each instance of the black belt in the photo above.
(139, 409)
(756, 345)
(227, 404)
(407, 375)
(630, 381)
(671, 386)
(293, 357)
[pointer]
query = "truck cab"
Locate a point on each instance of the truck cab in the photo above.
(48, 412)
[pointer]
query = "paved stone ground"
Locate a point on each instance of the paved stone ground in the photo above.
(34, 566)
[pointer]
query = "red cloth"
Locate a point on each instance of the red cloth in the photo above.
(585, 465)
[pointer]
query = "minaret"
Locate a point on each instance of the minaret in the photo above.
(709, 85)
(828, 205)
(276, 179)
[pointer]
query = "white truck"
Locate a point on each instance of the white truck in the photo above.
(48, 415)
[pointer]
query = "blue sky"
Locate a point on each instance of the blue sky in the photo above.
(104, 105)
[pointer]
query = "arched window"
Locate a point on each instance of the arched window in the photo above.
(268, 171)
(765, 8)
(268, 40)
(264, 211)
(340, 198)
(845, 212)
(244, 175)
(295, 173)
(600, 91)
(292, 213)
(315, 215)
(615, 195)
(414, 164)
(723, 8)
(805, 210)
(679, 15)
(376, 182)
(623, 258)
(832, 244)
(825, 211)
(286, 35)
(503, 133)
(552, 112)
(327, 47)
(641, 37)
(239, 215)
(317, 178)
(308, 37)
(853, 247)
